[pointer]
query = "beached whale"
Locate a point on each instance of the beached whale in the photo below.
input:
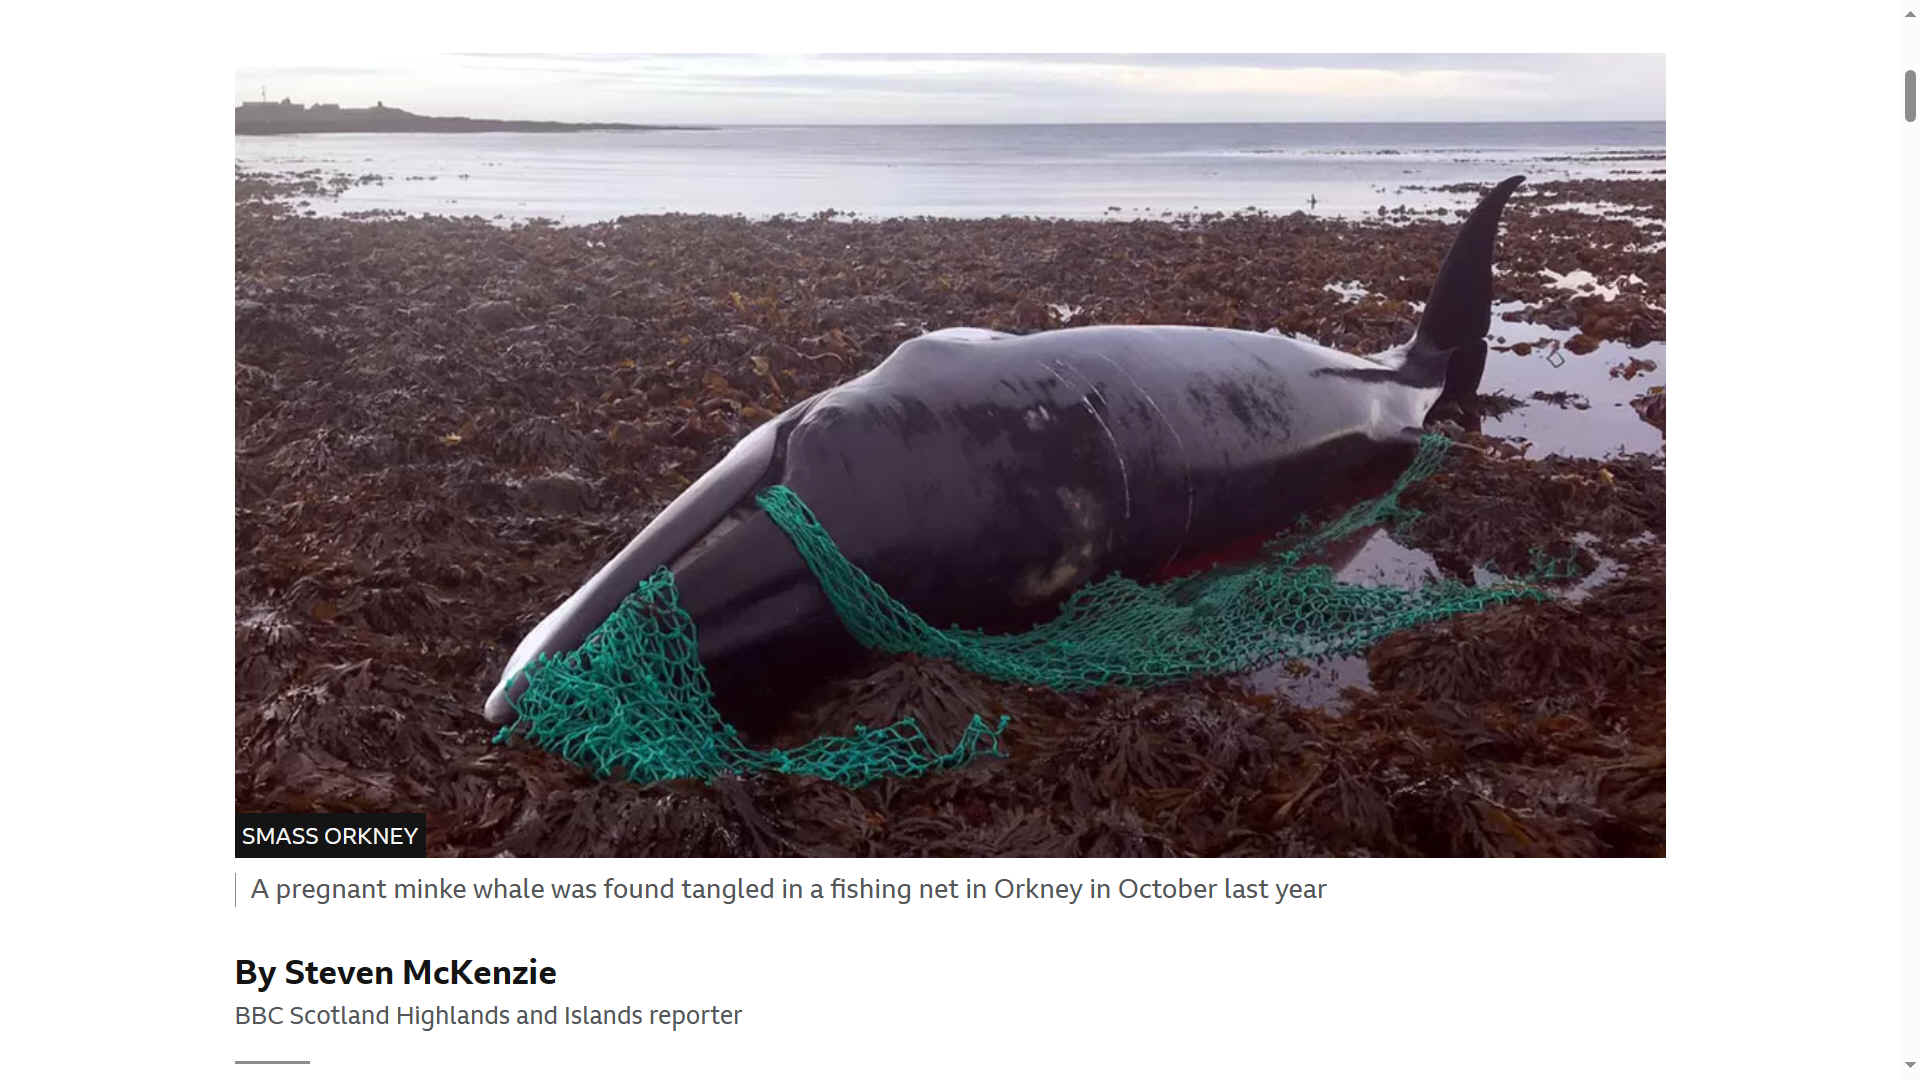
(982, 477)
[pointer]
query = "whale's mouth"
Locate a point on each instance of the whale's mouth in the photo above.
(750, 594)
(685, 534)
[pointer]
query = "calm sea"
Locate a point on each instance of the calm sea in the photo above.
(1069, 170)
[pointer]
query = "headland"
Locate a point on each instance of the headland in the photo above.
(285, 117)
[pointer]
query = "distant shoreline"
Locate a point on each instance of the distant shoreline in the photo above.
(253, 119)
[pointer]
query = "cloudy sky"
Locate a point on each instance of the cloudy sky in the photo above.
(974, 88)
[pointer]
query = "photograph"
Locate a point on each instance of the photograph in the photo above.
(954, 454)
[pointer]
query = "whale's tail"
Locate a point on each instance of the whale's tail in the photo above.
(1450, 346)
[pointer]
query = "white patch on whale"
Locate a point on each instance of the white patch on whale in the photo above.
(1077, 561)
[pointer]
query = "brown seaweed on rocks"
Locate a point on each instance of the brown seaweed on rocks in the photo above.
(442, 426)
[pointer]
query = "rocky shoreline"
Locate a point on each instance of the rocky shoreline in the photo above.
(443, 425)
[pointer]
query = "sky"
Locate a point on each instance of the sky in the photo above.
(984, 88)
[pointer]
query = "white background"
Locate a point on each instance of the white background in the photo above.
(1768, 943)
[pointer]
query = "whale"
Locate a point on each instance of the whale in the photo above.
(981, 477)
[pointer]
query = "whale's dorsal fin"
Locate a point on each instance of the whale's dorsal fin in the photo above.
(1450, 346)
(1449, 350)
(1459, 308)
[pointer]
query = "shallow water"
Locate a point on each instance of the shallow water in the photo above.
(1383, 561)
(1597, 420)
(1607, 425)
(1070, 171)
(1378, 560)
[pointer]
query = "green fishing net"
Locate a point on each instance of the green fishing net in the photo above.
(634, 701)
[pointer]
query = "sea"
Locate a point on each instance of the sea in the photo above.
(1082, 171)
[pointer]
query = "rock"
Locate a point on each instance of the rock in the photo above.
(1652, 407)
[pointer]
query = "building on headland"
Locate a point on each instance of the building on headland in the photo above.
(268, 111)
(283, 107)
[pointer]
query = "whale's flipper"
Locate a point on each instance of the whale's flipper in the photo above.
(1451, 343)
